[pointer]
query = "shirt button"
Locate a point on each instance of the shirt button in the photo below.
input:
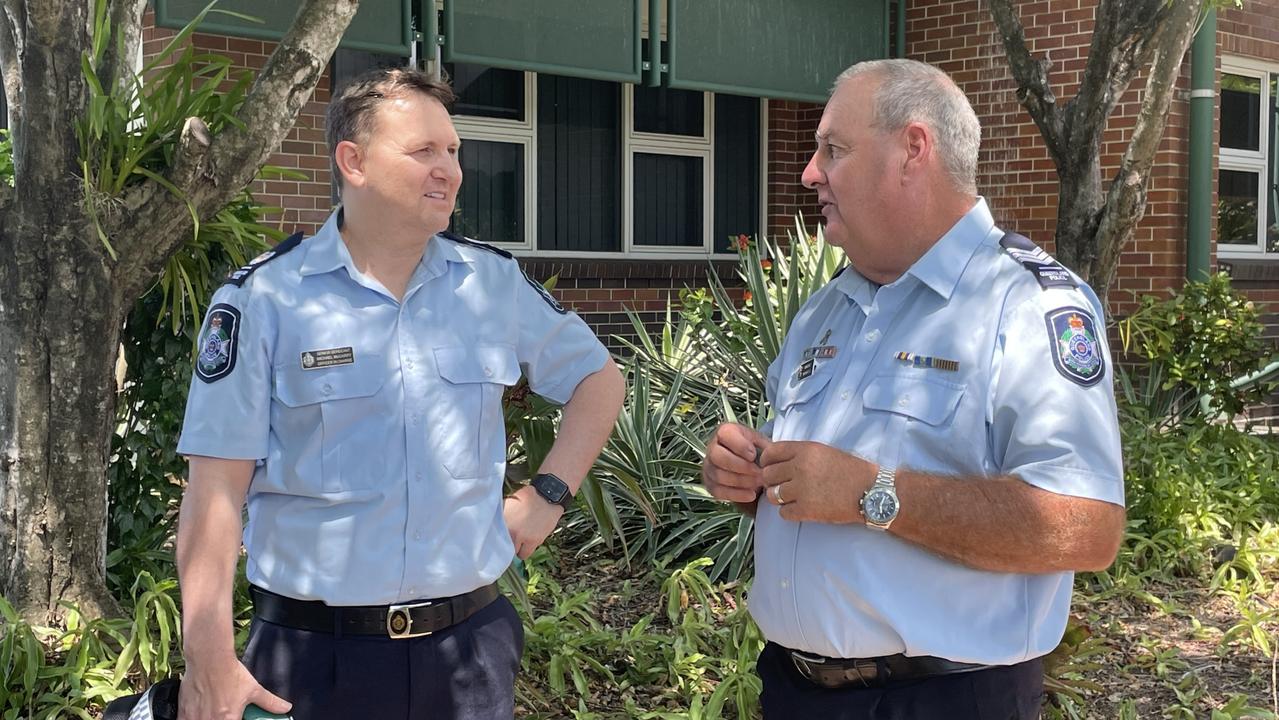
(408, 364)
(905, 400)
(417, 535)
(418, 475)
(327, 389)
(872, 336)
(488, 372)
(785, 583)
(843, 395)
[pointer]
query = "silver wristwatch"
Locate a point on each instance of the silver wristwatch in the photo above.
(879, 503)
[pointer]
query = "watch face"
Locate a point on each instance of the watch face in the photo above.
(551, 488)
(880, 506)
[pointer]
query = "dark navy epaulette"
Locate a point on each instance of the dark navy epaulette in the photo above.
(1046, 270)
(238, 276)
(473, 243)
(839, 272)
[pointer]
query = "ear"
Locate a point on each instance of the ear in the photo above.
(349, 159)
(918, 145)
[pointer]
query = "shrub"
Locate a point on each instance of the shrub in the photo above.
(1196, 344)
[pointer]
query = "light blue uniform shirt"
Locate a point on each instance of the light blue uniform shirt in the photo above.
(849, 591)
(378, 423)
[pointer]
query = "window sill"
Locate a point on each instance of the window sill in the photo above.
(1261, 270)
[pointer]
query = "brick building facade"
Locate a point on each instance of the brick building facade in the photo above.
(1015, 172)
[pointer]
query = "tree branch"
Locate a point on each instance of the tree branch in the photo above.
(210, 176)
(12, 21)
(1126, 198)
(1033, 90)
(1119, 49)
(126, 40)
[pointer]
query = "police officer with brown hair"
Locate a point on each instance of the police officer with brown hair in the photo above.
(349, 389)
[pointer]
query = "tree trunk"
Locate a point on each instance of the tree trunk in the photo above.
(1095, 224)
(60, 325)
(63, 297)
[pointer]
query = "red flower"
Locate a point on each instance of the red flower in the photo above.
(746, 296)
(766, 264)
(743, 242)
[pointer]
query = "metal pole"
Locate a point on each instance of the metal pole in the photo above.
(1203, 77)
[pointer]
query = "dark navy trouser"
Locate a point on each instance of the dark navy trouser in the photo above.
(464, 672)
(1003, 692)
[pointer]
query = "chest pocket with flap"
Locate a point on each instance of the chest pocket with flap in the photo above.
(327, 407)
(928, 400)
(465, 426)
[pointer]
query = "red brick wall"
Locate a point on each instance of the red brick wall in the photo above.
(790, 144)
(1015, 172)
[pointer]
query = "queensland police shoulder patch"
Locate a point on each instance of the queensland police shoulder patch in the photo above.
(219, 343)
(1076, 350)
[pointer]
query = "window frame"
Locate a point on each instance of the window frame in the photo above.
(515, 132)
(1249, 161)
(525, 133)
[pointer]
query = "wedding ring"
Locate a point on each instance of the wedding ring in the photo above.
(777, 494)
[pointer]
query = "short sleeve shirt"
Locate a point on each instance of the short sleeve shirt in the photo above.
(377, 423)
(969, 366)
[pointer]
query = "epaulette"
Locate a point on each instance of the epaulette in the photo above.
(1046, 270)
(839, 272)
(237, 277)
(467, 241)
(541, 290)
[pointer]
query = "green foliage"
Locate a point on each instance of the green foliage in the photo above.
(48, 673)
(6, 158)
(695, 660)
(706, 365)
(130, 134)
(1196, 344)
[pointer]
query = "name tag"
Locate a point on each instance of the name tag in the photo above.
(316, 359)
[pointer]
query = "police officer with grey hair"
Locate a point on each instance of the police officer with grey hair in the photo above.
(349, 388)
(944, 451)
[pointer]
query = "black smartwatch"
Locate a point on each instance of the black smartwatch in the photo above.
(553, 490)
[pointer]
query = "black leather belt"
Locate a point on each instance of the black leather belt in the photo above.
(408, 620)
(872, 672)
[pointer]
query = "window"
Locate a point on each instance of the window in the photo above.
(571, 166)
(1247, 177)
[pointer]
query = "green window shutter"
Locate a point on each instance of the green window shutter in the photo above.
(382, 26)
(787, 49)
(599, 39)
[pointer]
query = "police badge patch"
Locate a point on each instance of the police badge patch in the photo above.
(1075, 349)
(218, 343)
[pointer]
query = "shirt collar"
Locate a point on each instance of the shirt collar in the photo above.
(941, 267)
(325, 252)
(856, 287)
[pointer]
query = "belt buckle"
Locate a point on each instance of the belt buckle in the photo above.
(399, 621)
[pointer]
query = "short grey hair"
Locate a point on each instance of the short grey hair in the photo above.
(912, 91)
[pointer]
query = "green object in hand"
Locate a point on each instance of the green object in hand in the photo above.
(253, 712)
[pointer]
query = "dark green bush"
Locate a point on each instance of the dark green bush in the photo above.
(1195, 344)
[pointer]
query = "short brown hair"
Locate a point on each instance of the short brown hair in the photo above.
(353, 110)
